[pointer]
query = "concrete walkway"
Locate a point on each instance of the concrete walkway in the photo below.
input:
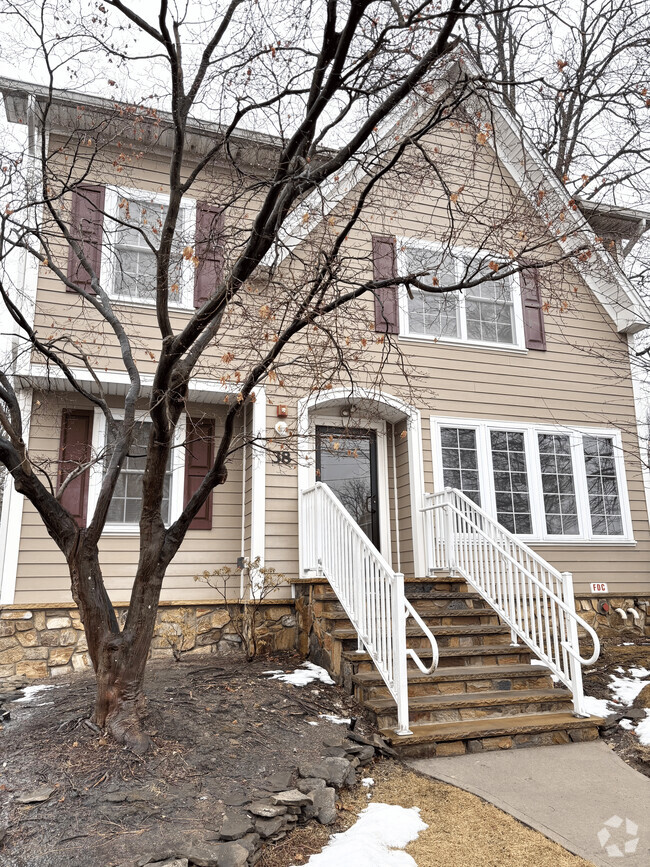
(571, 793)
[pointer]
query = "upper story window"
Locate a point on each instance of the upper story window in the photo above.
(487, 313)
(541, 483)
(130, 260)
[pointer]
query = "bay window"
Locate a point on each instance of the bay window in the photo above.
(541, 483)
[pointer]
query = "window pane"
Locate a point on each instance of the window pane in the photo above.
(488, 307)
(510, 481)
(602, 486)
(460, 462)
(135, 260)
(126, 503)
(560, 505)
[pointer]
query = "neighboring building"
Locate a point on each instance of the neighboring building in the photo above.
(522, 404)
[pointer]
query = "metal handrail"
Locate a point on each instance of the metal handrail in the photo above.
(370, 592)
(543, 619)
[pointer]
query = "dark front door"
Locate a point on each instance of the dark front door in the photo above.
(346, 459)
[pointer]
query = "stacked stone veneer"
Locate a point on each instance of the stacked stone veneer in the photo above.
(612, 625)
(45, 641)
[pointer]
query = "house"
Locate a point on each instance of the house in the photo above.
(437, 521)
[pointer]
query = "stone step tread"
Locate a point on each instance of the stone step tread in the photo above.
(473, 699)
(458, 672)
(490, 727)
(442, 612)
(447, 652)
(331, 596)
(341, 634)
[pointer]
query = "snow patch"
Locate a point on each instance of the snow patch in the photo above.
(30, 691)
(376, 839)
(311, 723)
(597, 706)
(307, 673)
(626, 724)
(339, 720)
(367, 782)
(643, 730)
(626, 689)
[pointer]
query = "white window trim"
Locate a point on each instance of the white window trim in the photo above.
(187, 225)
(540, 536)
(177, 485)
(404, 328)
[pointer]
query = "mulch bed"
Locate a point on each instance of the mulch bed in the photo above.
(220, 729)
(614, 656)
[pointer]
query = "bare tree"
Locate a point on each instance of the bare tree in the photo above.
(354, 90)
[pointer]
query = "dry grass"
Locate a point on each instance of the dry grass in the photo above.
(463, 831)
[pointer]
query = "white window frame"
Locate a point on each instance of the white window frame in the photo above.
(457, 253)
(187, 226)
(177, 481)
(540, 536)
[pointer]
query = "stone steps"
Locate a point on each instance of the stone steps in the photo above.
(446, 636)
(424, 709)
(486, 654)
(484, 695)
(456, 680)
(525, 730)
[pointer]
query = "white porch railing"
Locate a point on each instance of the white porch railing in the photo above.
(333, 545)
(533, 598)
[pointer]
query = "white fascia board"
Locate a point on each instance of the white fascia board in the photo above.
(53, 379)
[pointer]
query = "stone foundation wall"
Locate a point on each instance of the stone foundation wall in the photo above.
(47, 641)
(611, 624)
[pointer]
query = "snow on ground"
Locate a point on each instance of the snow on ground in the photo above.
(377, 839)
(367, 782)
(643, 730)
(626, 724)
(307, 673)
(626, 689)
(597, 706)
(339, 720)
(30, 691)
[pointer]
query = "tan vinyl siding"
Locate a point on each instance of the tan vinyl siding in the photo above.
(582, 379)
(42, 571)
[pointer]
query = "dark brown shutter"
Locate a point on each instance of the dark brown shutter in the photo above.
(531, 300)
(199, 446)
(75, 450)
(86, 224)
(209, 251)
(386, 299)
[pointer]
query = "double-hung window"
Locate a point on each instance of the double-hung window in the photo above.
(135, 234)
(539, 482)
(126, 503)
(485, 312)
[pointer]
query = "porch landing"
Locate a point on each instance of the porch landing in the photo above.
(485, 695)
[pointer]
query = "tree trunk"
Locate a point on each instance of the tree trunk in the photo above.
(118, 656)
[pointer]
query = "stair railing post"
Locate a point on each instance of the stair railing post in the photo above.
(400, 669)
(317, 529)
(574, 663)
(450, 540)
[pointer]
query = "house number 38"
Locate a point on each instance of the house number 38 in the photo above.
(281, 457)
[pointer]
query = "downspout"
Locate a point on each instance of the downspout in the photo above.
(396, 500)
(244, 470)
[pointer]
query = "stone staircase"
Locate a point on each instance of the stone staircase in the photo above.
(484, 695)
